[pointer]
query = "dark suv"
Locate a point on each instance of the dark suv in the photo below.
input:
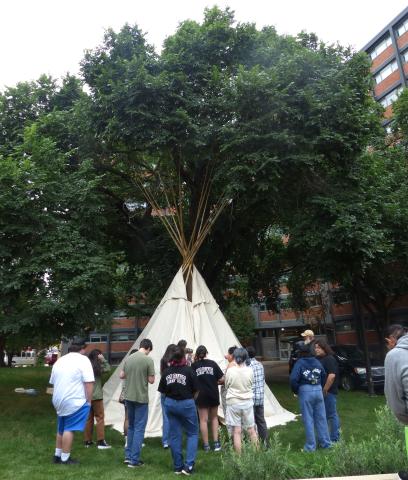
(352, 368)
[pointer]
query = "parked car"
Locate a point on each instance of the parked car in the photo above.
(352, 368)
(26, 358)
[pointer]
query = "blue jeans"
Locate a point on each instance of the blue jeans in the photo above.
(137, 415)
(330, 401)
(313, 416)
(182, 415)
(165, 436)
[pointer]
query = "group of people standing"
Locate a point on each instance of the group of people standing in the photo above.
(314, 379)
(189, 388)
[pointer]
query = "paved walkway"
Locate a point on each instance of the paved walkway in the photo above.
(276, 371)
(387, 476)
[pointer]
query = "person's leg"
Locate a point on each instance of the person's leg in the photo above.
(253, 435)
(58, 445)
(330, 403)
(248, 422)
(261, 423)
(306, 408)
(72, 423)
(139, 427)
(67, 439)
(175, 433)
(320, 421)
(236, 438)
(58, 442)
(165, 435)
(89, 425)
(99, 414)
(130, 408)
(203, 414)
(189, 421)
(213, 415)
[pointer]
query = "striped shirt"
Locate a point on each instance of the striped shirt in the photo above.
(259, 380)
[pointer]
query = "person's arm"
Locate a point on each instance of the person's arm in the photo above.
(295, 378)
(329, 382)
(194, 385)
(105, 365)
(89, 386)
(151, 372)
(221, 380)
(404, 382)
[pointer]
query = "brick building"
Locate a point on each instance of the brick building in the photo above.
(116, 342)
(388, 51)
(329, 313)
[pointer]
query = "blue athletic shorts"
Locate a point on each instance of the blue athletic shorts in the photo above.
(74, 422)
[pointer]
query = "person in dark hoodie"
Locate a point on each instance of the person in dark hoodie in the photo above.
(396, 377)
(306, 380)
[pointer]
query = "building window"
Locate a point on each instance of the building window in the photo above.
(385, 72)
(402, 28)
(405, 56)
(391, 97)
(380, 47)
(313, 299)
(340, 296)
(123, 337)
(285, 302)
(98, 338)
(344, 325)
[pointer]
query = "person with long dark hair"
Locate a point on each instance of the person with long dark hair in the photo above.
(96, 413)
(164, 363)
(331, 387)
(179, 385)
(209, 376)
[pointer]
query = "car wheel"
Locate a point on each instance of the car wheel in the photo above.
(347, 383)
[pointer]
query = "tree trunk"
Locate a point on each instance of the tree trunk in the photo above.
(2, 350)
(361, 331)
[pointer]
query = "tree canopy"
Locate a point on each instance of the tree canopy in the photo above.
(279, 124)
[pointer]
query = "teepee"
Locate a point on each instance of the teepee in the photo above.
(187, 311)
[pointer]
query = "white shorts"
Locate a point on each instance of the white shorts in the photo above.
(240, 415)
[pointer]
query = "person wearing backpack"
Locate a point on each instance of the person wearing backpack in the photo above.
(306, 380)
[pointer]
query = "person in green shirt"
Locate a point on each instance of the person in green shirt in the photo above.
(96, 413)
(138, 372)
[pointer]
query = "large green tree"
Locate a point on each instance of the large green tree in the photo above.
(58, 263)
(265, 115)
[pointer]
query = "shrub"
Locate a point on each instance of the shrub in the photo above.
(384, 452)
(258, 463)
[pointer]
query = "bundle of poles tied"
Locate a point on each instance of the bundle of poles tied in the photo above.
(188, 242)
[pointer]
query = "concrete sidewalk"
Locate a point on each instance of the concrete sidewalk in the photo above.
(276, 371)
(387, 476)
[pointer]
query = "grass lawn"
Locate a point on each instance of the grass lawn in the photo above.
(27, 436)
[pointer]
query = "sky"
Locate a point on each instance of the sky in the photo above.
(50, 36)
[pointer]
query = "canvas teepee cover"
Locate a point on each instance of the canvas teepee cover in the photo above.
(200, 322)
(188, 310)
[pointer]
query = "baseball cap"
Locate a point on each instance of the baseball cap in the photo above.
(307, 333)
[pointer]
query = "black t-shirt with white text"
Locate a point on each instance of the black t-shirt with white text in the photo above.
(208, 373)
(331, 366)
(178, 383)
